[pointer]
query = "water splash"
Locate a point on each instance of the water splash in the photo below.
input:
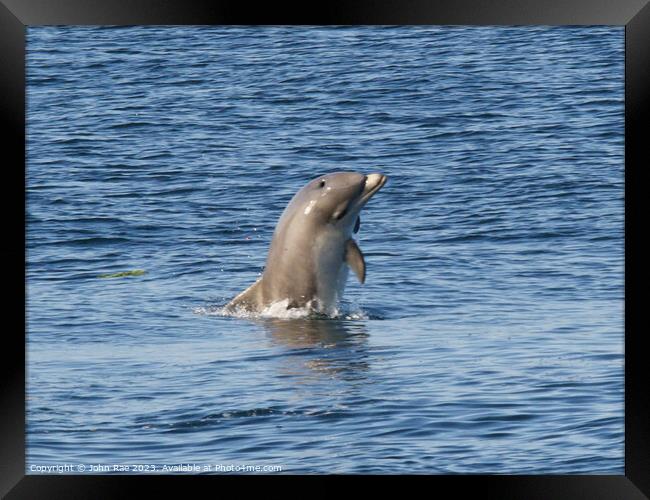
(280, 310)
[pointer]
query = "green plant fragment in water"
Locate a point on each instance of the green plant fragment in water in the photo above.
(136, 272)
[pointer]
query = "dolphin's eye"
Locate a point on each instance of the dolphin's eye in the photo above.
(321, 184)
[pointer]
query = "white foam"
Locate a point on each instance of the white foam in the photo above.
(280, 310)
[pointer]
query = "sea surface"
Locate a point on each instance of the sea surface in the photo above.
(488, 337)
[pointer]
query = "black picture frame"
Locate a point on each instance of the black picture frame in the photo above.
(16, 15)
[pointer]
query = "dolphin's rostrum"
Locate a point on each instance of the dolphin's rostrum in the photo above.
(312, 246)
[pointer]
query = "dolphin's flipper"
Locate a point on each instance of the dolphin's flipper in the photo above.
(357, 225)
(354, 259)
(249, 299)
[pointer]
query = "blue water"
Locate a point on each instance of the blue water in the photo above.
(489, 335)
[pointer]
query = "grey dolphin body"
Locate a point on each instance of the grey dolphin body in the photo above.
(312, 246)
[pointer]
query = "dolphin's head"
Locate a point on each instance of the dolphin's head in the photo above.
(337, 198)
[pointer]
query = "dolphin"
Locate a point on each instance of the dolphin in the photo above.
(312, 246)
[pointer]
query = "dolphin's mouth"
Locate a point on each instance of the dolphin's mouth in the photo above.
(374, 182)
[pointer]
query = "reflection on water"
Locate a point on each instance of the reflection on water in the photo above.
(303, 333)
(326, 347)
